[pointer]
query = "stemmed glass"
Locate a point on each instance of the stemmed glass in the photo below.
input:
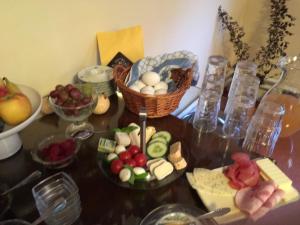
(74, 103)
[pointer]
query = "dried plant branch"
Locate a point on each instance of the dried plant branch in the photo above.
(276, 45)
(236, 33)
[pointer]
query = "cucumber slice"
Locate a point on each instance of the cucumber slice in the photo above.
(157, 149)
(158, 139)
(164, 134)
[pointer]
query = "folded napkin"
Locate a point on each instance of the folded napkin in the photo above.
(129, 41)
(163, 64)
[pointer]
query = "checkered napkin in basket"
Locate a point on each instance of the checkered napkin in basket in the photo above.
(163, 64)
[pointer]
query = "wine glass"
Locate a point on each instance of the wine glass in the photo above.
(74, 103)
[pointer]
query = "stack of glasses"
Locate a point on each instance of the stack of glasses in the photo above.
(206, 115)
(241, 100)
(58, 187)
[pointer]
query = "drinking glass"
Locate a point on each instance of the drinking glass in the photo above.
(214, 77)
(264, 129)
(52, 189)
(241, 107)
(243, 69)
(206, 115)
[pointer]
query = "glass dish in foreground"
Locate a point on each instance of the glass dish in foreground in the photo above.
(176, 214)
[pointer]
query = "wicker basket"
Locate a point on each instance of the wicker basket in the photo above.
(156, 106)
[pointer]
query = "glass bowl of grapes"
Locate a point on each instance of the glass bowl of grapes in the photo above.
(74, 103)
(56, 151)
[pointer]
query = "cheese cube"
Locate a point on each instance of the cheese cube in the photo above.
(180, 164)
(163, 170)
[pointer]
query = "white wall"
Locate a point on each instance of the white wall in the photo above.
(44, 42)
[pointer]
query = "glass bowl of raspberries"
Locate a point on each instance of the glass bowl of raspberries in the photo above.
(56, 151)
(74, 103)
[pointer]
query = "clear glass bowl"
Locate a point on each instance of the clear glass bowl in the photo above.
(77, 113)
(179, 213)
(48, 160)
(53, 188)
(14, 222)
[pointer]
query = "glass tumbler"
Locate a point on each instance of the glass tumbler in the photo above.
(264, 129)
(206, 115)
(243, 69)
(55, 188)
(214, 77)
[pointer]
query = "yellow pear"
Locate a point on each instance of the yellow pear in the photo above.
(102, 105)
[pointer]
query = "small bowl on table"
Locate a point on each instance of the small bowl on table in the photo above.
(56, 151)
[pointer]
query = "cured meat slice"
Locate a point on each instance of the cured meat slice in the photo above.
(275, 198)
(246, 201)
(241, 158)
(265, 190)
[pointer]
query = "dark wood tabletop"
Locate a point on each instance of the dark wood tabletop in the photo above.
(105, 203)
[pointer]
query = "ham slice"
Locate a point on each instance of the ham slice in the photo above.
(256, 202)
(275, 198)
(246, 201)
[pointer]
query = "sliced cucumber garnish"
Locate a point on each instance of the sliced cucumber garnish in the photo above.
(157, 149)
(158, 139)
(164, 134)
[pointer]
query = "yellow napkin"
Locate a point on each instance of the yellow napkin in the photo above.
(129, 41)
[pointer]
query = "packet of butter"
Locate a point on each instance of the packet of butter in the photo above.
(106, 145)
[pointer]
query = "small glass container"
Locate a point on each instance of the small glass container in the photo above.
(56, 151)
(49, 191)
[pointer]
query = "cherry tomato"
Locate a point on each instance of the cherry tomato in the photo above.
(116, 166)
(133, 149)
(130, 162)
(125, 155)
(140, 159)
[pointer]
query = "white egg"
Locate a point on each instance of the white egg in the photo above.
(161, 85)
(148, 90)
(119, 149)
(161, 92)
(135, 88)
(139, 84)
(150, 78)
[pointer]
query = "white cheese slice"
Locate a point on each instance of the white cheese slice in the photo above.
(152, 166)
(270, 171)
(163, 170)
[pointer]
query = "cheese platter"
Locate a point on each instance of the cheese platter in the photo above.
(215, 191)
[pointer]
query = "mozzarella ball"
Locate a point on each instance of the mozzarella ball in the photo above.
(119, 149)
(111, 157)
(138, 170)
(139, 84)
(150, 78)
(135, 88)
(161, 92)
(148, 90)
(161, 85)
(125, 175)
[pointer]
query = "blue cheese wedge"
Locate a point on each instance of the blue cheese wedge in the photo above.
(270, 171)
(213, 182)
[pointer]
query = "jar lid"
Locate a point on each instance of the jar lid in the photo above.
(95, 74)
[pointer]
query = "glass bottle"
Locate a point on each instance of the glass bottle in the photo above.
(286, 91)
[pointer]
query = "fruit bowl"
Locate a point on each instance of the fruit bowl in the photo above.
(56, 151)
(74, 103)
(10, 141)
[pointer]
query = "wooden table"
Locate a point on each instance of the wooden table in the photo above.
(104, 203)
